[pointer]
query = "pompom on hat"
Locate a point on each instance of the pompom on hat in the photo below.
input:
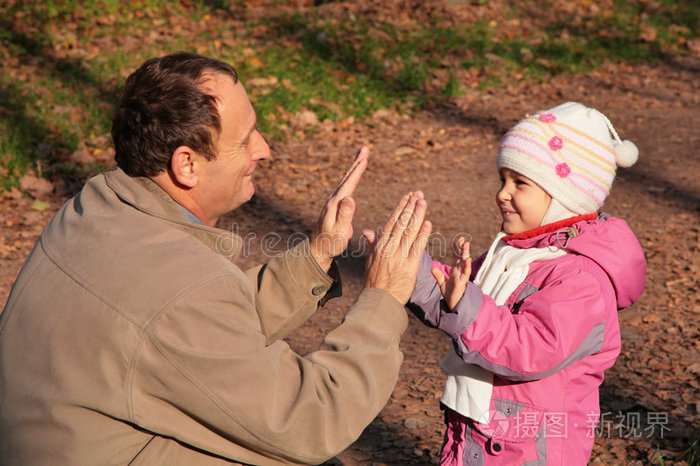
(571, 151)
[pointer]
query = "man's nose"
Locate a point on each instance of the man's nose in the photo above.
(260, 148)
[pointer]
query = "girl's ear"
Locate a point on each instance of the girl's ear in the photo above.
(183, 165)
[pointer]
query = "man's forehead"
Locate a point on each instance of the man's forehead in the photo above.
(235, 109)
(225, 90)
(212, 83)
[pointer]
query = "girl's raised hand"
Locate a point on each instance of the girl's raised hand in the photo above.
(453, 286)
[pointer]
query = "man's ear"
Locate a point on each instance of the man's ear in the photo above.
(183, 165)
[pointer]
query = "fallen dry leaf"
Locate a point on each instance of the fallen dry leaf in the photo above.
(694, 368)
(39, 205)
(694, 46)
(36, 185)
(648, 33)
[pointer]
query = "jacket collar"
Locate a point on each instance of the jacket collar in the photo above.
(542, 236)
(143, 194)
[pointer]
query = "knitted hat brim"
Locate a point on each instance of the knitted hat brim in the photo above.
(560, 188)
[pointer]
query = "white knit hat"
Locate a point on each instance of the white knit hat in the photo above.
(571, 151)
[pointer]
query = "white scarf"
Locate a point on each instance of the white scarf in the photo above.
(468, 387)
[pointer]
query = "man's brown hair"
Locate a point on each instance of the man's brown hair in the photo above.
(162, 108)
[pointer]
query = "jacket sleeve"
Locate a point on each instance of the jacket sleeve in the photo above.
(426, 300)
(206, 376)
(561, 323)
(289, 289)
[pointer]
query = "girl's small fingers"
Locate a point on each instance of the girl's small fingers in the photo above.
(439, 276)
(468, 267)
(370, 236)
(458, 246)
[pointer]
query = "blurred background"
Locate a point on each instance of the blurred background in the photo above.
(303, 62)
(430, 86)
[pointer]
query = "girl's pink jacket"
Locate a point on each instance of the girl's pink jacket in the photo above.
(547, 346)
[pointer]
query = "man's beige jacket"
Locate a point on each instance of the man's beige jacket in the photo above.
(131, 337)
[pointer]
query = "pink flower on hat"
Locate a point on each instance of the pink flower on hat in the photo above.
(563, 170)
(547, 118)
(556, 143)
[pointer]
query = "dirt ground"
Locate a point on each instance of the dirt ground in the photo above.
(650, 399)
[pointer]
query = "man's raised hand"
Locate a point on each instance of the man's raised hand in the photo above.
(334, 229)
(397, 249)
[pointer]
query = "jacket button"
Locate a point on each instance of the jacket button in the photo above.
(495, 447)
(318, 290)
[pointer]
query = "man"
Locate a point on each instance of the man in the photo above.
(129, 339)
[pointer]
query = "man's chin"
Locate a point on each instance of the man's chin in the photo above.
(251, 193)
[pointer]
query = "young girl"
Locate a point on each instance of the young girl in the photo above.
(536, 327)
